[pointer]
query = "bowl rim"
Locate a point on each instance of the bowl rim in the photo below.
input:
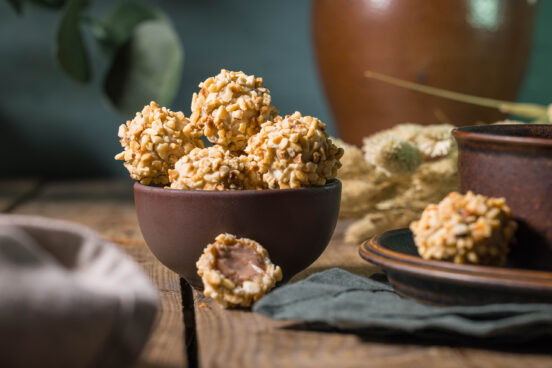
(332, 184)
(470, 133)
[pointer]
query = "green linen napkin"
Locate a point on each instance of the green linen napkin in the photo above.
(350, 302)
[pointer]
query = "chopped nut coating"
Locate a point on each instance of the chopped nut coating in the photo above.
(153, 141)
(231, 107)
(236, 272)
(294, 152)
(213, 168)
(465, 229)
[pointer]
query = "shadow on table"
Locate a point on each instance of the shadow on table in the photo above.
(521, 345)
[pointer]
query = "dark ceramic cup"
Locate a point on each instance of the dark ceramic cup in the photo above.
(515, 162)
(294, 225)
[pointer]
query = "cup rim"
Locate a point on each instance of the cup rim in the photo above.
(475, 133)
(332, 184)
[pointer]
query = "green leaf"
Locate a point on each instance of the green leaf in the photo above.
(70, 48)
(17, 5)
(116, 28)
(147, 67)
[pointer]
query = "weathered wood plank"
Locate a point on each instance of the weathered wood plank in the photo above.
(239, 338)
(340, 254)
(166, 347)
(103, 205)
(12, 191)
(108, 208)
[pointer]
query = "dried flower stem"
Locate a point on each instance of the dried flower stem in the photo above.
(525, 110)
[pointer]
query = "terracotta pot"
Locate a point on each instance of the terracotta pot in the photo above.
(479, 47)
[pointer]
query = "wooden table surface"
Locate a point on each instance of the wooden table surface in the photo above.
(191, 330)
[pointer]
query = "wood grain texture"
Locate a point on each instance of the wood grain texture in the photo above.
(166, 347)
(14, 191)
(239, 338)
(339, 254)
(107, 207)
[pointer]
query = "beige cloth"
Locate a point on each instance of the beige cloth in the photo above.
(69, 298)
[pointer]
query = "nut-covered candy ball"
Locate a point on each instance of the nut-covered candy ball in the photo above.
(153, 141)
(231, 107)
(294, 152)
(236, 271)
(465, 229)
(213, 168)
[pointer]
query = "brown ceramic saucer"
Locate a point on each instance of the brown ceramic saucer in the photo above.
(444, 283)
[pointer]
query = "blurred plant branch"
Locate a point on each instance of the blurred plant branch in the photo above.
(144, 52)
(537, 113)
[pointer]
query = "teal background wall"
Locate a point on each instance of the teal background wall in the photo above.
(51, 126)
(537, 87)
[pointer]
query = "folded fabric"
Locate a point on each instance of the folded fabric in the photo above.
(350, 302)
(69, 298)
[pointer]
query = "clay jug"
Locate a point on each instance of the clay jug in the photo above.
(480, 47)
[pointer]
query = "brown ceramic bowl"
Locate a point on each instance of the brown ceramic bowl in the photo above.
(294, 225)
(515, 162)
